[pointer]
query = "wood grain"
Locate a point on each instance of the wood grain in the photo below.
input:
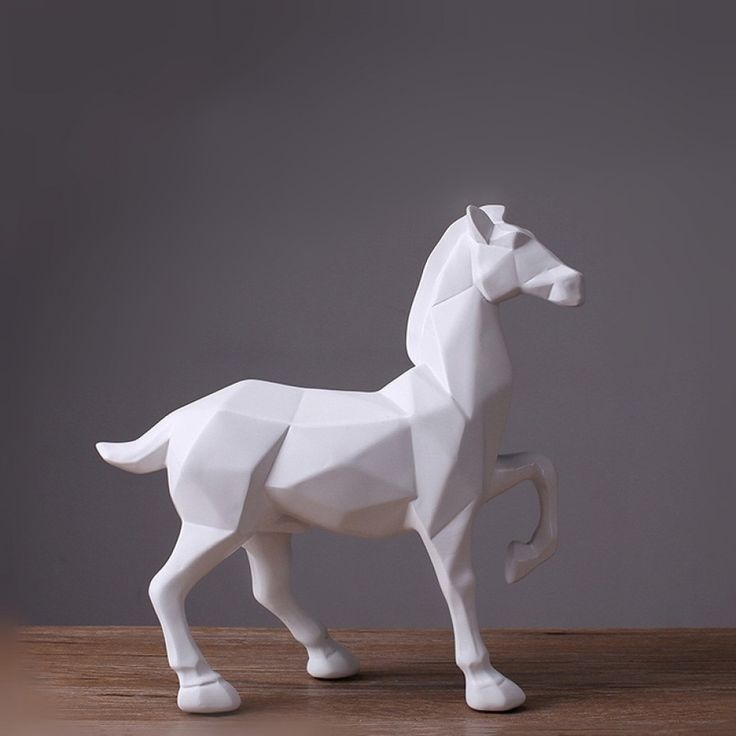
(116, 680)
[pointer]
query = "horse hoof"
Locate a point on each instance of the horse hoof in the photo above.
(335, 663)
(491, 696)
(522, 558)
(212, 697)
(519, 561)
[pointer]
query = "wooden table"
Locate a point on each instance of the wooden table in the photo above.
(116, 681)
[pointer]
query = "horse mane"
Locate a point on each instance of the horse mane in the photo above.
(428, 286)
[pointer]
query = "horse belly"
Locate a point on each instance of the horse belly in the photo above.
(353, 479)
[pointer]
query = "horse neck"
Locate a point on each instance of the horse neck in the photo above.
(462, 342)
(426, 294)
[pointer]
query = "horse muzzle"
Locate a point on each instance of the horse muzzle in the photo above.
(568, 291)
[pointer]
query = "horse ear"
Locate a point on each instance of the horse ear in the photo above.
(480, 225)
(494, 211)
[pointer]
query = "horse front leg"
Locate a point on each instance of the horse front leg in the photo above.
(510, 470)
(449, 550)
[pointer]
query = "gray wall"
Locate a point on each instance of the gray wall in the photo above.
(203, 192)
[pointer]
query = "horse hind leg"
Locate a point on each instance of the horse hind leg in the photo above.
(197, 551)
(523, 557)
(269, 555)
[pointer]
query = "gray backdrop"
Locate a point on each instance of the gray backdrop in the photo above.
(203, 192)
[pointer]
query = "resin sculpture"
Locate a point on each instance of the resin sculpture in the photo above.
(255, 462)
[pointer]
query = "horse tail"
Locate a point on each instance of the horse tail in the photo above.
(144, 455)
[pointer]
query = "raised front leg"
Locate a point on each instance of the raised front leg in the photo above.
(485, 688)
(270, 565)
(523, 557)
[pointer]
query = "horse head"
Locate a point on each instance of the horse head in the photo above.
(508, 260)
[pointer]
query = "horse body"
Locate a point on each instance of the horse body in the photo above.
(256, 461)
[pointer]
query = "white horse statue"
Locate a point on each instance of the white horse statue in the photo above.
(255, 462)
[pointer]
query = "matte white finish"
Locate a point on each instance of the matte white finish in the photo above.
(257, 461)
